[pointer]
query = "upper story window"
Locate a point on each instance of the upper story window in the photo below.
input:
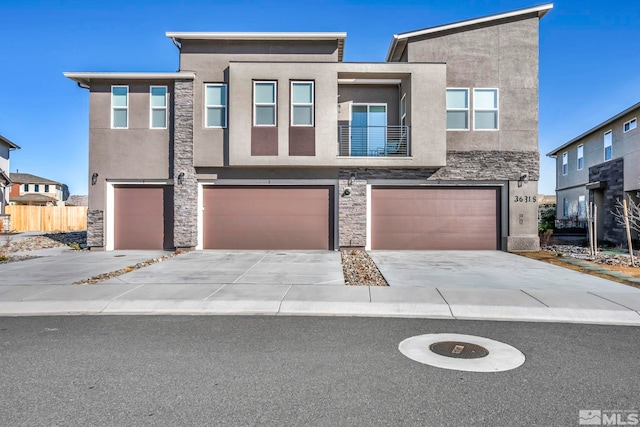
(485, 109)
(630, 125)
(46, 188)
(457, 109)
(158, 118)
(608, 145)
(580, 157)
(25, 187)
(215, 105)
(119, 107)
(264, 103)
(565, 163)
(36, 188)
(302, 101)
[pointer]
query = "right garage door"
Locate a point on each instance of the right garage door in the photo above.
(435, 218)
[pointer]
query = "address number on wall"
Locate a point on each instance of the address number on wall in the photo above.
(525, 199)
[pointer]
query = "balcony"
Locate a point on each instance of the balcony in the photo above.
(374, 141)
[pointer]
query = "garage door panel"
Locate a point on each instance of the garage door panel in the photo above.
(267, 217)
(429, 218)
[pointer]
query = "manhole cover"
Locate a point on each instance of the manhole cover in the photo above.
(459, 350)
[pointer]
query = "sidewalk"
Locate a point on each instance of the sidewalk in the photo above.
(267, 283)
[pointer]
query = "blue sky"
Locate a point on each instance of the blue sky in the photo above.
(589, 60)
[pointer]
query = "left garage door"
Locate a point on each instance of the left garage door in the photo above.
(267, 217)
(143, 217)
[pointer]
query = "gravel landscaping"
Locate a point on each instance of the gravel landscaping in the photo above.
(14, 243)
(360, 270)
(606, 257)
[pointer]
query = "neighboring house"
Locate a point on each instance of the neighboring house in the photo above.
(6, 147)
(76, 200)
(271, 141)
(600, 166)
(33, 190)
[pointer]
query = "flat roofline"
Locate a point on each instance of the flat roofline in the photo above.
(340, 37)
(84, 79)
(11, 145)
(400, 40)
(593, 129)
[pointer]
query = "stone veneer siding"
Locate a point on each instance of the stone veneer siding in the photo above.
(461, 166)
(95, 228)
(610, 173)
(185, 189)
(5, 223)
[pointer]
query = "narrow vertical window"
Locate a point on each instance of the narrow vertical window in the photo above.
(565, 163)
(264, 103)
(302, 102)
(25, 187)
(36, 188)
(457, 109)
(608, 145)
(119, 107)
(582, 207)
(565, 207)
(485, 109)
(46, 188)
(580, 157)
(158, 117)
(215, 100)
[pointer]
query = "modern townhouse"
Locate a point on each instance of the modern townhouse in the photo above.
(601, 166)
(272, 141)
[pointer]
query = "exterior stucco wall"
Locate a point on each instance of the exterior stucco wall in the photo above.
(501, 55)
(368, 94)
(135, 153)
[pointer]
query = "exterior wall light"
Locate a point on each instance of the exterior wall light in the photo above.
(180, 178)
(524, 177)
(94, 178)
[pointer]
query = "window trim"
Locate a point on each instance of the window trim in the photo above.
(46, 188)
(609, 132)
(312, 104)
(224, 106)
(580, 157)
(274, 103)
(152, 107)
(36, 188)
(628, 122)
(496, 109)
(113, 108)
(565, 163)
(459, 109)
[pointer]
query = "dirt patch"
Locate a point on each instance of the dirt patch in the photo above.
(360, 270)
(557, 258)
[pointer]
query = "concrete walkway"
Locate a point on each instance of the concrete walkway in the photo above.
(468, 285)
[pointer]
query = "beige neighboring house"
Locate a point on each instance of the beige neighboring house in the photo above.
(6, 147)
(272, 141)
(34, 190)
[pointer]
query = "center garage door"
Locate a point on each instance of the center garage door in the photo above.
(143, 217)
(268, 217)
(435, 218)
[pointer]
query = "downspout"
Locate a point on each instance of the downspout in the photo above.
(179, 46)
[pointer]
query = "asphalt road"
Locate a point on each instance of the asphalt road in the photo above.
(170, 370)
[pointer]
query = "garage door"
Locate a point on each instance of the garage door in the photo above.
(272, 217)
(435, 218)
(143, 217)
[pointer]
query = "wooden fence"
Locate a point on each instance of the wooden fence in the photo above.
(47, 218)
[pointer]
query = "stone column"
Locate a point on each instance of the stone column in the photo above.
(352, 208)
(95, 229)
(185, 184)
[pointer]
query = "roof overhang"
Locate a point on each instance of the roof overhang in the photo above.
(399, 41)
(11, 145)
(84, 79)
(554, 153)
(5, 177)
(177, 37)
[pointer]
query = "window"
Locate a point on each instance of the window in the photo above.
(302, 104)
(25, 187)
(36, 188)
(565, 163)
(46, 188)
(630, 125)
(582, 207)
(457, 109)
(565, 207)
(485, 109)
(215, 101)
(580, 157)
(119, 107)
(158, 118)
(264, 103)
(608, 142)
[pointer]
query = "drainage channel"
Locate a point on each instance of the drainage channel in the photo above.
(462, 352)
